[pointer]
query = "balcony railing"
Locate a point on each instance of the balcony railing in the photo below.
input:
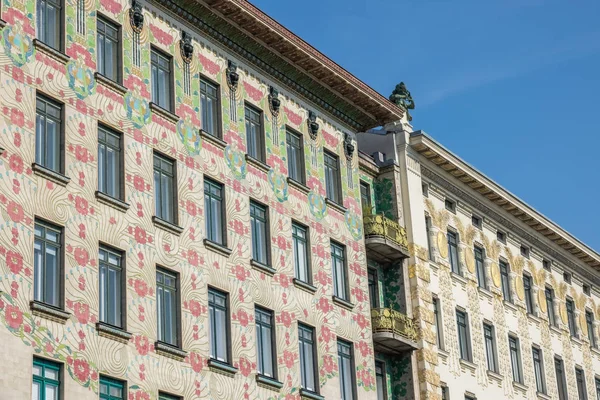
(393, 331)
(385, 237)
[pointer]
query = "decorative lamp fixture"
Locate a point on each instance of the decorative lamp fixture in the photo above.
(313, 126)
(186, 47)
(136, 16)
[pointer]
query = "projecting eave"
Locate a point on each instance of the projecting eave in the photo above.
(511, 204)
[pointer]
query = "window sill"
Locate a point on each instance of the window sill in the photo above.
(217, 248)
(307, 287)
(459, 278)
(495, 376)
(111, 201)
(51, 52)
(106, 81)
(510, 305)
(595, 350)
(112, 332)
(534, 318)
(257, 163)
(53, 176)
(543, 396)
(343, 303)
(222, 368)
(338, 207)
(217, 141)
(167, 226)
(485, 292)
(520, 387)
(169, 351)
(262, 267)
(298, 185)
(577, 341)
(40, 309)
(307, 394)
(468, 364)
(443, 354)
(555, 329)
(268, 383)
(164, 113)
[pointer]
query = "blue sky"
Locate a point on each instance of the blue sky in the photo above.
(511, 86)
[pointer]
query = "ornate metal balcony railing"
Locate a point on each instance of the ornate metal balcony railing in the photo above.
(392, 321)
(379, 225)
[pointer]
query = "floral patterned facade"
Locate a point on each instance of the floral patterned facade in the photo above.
(27, 69)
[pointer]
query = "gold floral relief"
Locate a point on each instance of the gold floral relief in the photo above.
(519, 287)
(542, 301)
(496, 274)
(442, 243)
(470, 259)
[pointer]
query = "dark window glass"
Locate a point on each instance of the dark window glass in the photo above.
(561, 381)
(464, 342)
(48, 134)
(490, 347)
(373, 287)
(300, 249)
(550, 306)
(111, 389)
(338, 265)
(346, 370)
(450, 205)
(501, 236)
(589, 319)
(453, 252)
(571, 317)
(428, 230)
(438, 323)
(254, 134)
(365, 196)
(538, 369)
(528, 293)
(515, 359)
(164, 396)
(567, 277)
(46, 380)
(295, 155)
(218, 323)
(214, 210)
(476, 221)
(581, 389)
(332, 177)
(49, 23)
(167, 303)
(210, 106)
(108, 49)
(259, 230)
(265, 343)
(380, 380)
(546, 265)
(525, 251)
(505, 280)
(597, 388)
(161, 79)
(445, 393)
(111, 282)
(480, 267)
(164, 188)
(47, 264)
(110, 175)
(308, 358)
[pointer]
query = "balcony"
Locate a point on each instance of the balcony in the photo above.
(385, 239)
(393, 332)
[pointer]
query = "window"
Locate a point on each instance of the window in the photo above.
(259, 226)
(380, 380)
(265, 343)
(373, 287)
(110, 163)
(218, 323)
(527, 287)
(597, 388)
(46, 380)
(161, 79)
(338, 265)
(571, 317)
(109, 49)
(453, 252)
(428, 231)
(165, 396)
(587, 289)
(550, 306)
(111, 389)
(210, 106)
(515, 359)
(450, 205)
(111, 284)
(561, 381)
(505, 280)
(167, 304)
(480, 267)
(346, 369)
(332, 177)
(581, 389)
(214, 210)
(50, 22)
(567, 277)
(501, 237)
(547, 265)
(445, 395)
(254, 134)
(525, 251)
(164, 188)
(300, 248)
(490, 347)
(589, 321)
(464, 342)
(365, 196)
(49, 141)
(295, 155)
(538, 370)
(438, 323)
(425, 189)
(476, 221)
(308, 358)
(47, 266)
(469, 397)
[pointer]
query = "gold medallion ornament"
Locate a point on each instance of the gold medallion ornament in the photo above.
(542, 301)
(562, 310)
(496, 274)
(442, 243)
(519, 288)
(470, 260)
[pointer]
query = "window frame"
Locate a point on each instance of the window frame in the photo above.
(538, 369)
(336, 186)
(218, 123)
(112, 382)
(121, 161)
(477, 221)
(467, 336)
(44, 363)
(382, 366)
(261, 136)
(295, 226)
(227, 311)
(177, 300)
(315, 362)
(504, 268)
(453, 256)
(591, 333)
(272, 344)
(351, 357)
(48, 100)
(175, 198)
(367, 196)
(550, 305)
(168, 396)
(223, 215)
(428, 232)
(60, 24)
(122, 284)
(450, 205)
(438, 320)
(480, 266)
(571, 322)
(514, 349)
(267, 231)
(580, 382)
(300, 155)
(60, 263)
(561, 379)
(528, 293)
(373, 281)
(489, 335)
(345, 294)
(154, 89)
(119, 48)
